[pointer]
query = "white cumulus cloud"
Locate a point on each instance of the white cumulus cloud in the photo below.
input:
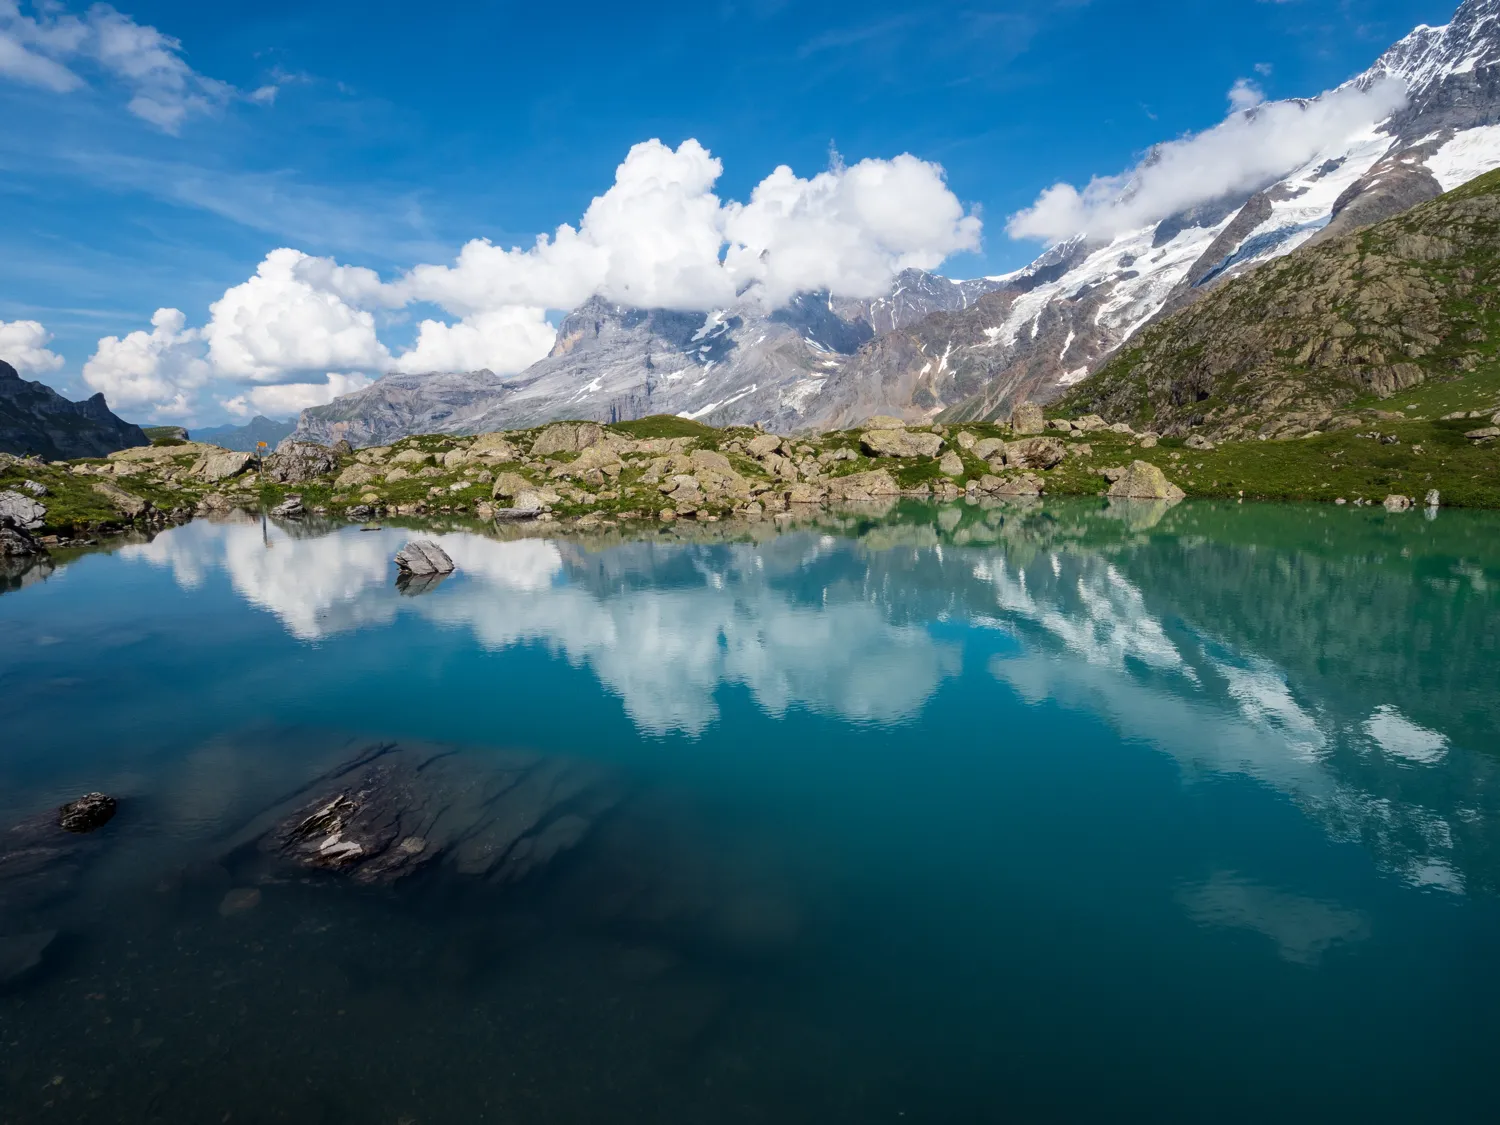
(658, 237)
(23, 345)
(1256, 143)
(162, 88)
(282, 321)
(503, 340)
(160, 368)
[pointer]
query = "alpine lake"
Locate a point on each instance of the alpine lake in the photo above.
(1063, 811)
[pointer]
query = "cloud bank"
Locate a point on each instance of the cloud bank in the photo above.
(1256, 143)
(304, 329)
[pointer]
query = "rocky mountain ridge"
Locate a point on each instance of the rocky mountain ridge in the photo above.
(1285, 349)
(35, 419)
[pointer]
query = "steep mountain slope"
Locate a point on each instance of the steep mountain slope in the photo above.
(613, 363)
(1279, 351)
(1046, 328)
(36, 419)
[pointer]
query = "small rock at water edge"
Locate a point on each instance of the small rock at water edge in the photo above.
(1395, 503)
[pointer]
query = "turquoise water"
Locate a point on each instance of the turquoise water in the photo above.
(945, 814)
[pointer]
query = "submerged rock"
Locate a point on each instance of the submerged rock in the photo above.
(423, 557)
(22, 954)
(91, 811)
(395, 810)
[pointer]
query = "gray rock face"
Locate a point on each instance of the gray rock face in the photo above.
(1144, 481)
(17, 544)
(20, 511)
(900, 443)
(423, 556)
(396, 810)
(290, 508)
(126, 503)
(221, 466)
(297, 462)
(36, 419)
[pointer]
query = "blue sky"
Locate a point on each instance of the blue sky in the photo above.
(396, 133)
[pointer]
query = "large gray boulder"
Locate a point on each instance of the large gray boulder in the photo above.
(1144, 481)
(900, 443)
(297, 462)
(423, 556)
(21, 511)
(221, 465)
(1026, 418)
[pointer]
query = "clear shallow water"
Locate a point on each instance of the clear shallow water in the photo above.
(951, 815)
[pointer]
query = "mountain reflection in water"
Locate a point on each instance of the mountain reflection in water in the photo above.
(922, 813)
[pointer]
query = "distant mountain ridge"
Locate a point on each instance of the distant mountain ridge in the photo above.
(36, 419)
(936, 348)
(243, 438)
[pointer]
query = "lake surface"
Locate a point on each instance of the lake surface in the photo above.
(959, 814)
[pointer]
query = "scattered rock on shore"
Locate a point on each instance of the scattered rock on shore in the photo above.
(1144, 481)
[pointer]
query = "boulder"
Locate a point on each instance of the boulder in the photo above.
(509, 484)
(528, 501)
(758, 447)
(874, 485)
(297, 462)
(1144, 481)
(1397, 503)
(1026, 418)
(423, 556)
(1434, 498)
(20, 511)
(884, 422)
(356, 475)
(1035, 453)
(1025, 484)
(412, 457)
(456, 458)
(1090, 423)
(222, 465)
(965, 440)
(396, 475)
(804, 493)
(987, 449)
(497, 447)
(1060, 424)
(290, 508)
(1199, 442)
(952, 464)
(18, 544)
(89, 812)
(36, 488)
(708, 459)
(1484, 433)
(1149, 439)
(126, 503)
(900, 443)
(566, 437)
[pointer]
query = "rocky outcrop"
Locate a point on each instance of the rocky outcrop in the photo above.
(90, 812)
(128, 504)
(35, 419)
